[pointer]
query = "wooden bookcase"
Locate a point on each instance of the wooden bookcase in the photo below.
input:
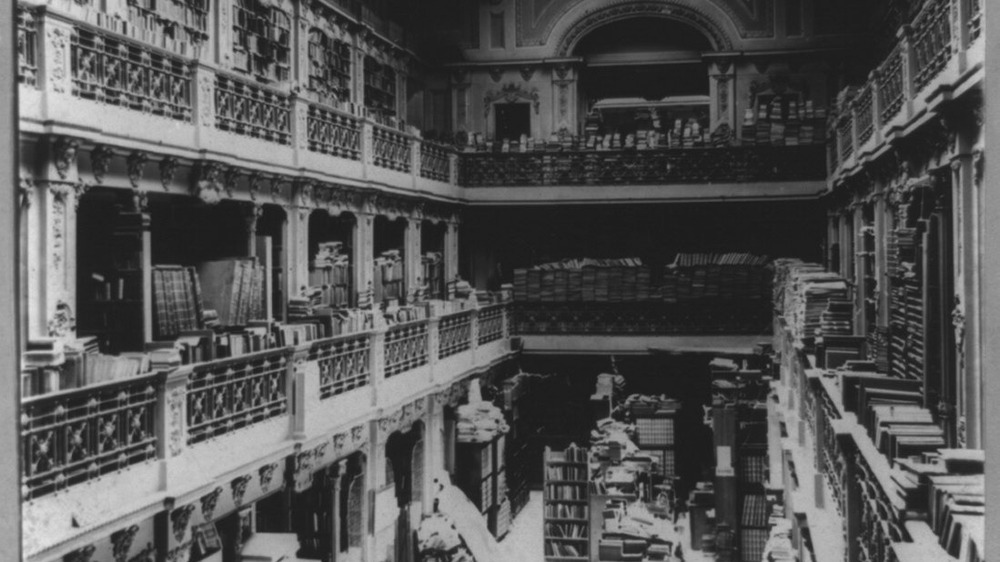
(566, 505)
(480, 469)
(380, 89)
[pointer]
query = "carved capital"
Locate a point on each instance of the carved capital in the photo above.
(254, 212)
(978, 155)
(26, 193)
(100, 161)
(140, 200)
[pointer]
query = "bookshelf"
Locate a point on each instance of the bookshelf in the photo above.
(261, 41)
(480, 470)
(330, 276)
(117, 308)
(380, 90)
(784, 119)
(565, 504)
(329, 68)
(518, 403)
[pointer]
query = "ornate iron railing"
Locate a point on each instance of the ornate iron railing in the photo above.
(890, 86)
(75, 436)
(491, 323)
(454, 334)
(250, 110)
(845, 137)
(435, 163)
(931, 42)
(405, 347)
(344, 363)
(27, 47)
(880, 525)
(865, 120)
(223, 396)
(116, 72)
(333, 133)
(649, 167)
(714, 317)
(391, 149)
(975, 19)
(832, 460)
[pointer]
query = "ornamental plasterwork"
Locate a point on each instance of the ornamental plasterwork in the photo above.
(266, 475)
(62, 323)
(121, 542)
(238, 487)
(511, 93)
(253, 184)
(230, 178)
(402, 419)
(64, 154)
(206, 182)
(83, 554)
(175, 412)
(100, 161)
(168, 169)
(136, 163)
(179, 519)
(180, 553)
(57, 39)
(208, 503)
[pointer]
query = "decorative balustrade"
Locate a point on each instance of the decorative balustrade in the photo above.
(333, 133)
(27, 47)
(880, 525)
(890, 86)
(714, 317)
(931, 41)
(78, 435)
(406, 347)
(251, 110)
(864, 119)
(121, 73)
(435, 163)
(391, 149)
(344, 363)
(491, 323)
(227, 395)
(648, 167)
(454, 334)
(832, 459)
(975, 19)
(845, 137)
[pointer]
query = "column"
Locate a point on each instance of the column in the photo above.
(411, 254)
(860, 283)
(832, 237)
(224, 32)
(172, 430)
(722, 91)
(337, 473)
(297, 253)
(52, 242)
(968, 313)
(362, 253)
(564, 81)
(881, 269)
(451, 257)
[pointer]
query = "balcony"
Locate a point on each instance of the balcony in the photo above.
(90, 441)
(938, 57)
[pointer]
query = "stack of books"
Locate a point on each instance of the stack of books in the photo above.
(177, 300)
(233, 288)
(836, 319)
(330, 275)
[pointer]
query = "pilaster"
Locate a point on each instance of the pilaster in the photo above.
(224, 33)
(564, 85)
(451, 257)
(172, 428)
(298, 248)
(363, 250)
(722, 91)
(411, 253)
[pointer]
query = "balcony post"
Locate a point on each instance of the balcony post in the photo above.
(960, 16)
(298, 248)
(303, 388)
(171, 424)
(876, 108)
(377, 358)
(362, 252)
(203, 99)
(55, 58)
(909, 70)
(451, 256)
(411, 256)
(300, 128)
(367, 147)
(474, 337)
(433, 343)
(224, 32)
(416, 147)
(453, 168)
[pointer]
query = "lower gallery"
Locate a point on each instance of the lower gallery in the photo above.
(560, 281)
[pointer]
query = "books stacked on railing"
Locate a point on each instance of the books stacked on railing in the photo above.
(837, 318)
(584, 279)
(806, 293)
(735, 275)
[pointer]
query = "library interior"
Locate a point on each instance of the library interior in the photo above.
(500, 280)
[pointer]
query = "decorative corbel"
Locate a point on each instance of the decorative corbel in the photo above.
(83, 554)
(266, 475)
(179, 519)
(207, 182)
(305, 190)
(496, 73)
(121, 542)
(238, 487)
(208, 503)
(136, 161)
(100, 161)
(62, 323)
(276, 183)
(64, 153)
(229, 179)
(81, 189)
(26, 193)
(527, 72)
(168, 169)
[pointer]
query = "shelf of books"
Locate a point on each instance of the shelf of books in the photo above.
(330, 276)
(433, 274)
(566, 505)
(783, 121)
(388, 276)
(380, 91)
(481, 474)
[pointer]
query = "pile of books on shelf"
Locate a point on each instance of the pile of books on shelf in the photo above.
(837, 318)
(388, 275)
(807, 289)
(784, 122)
(233, 288)
(584, 279)
(329, 276)
(177, 300)
(947, 488)
(735, 275)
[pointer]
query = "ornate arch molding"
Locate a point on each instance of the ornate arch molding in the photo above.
(694, 17)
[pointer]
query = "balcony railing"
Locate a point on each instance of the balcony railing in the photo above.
(391, 149)
(491, 324)
(406, 347)
(890, 86)
(333, 133)
(975, 19)
(641, 318)
(435, 162)
(27, 47)
(931, 41)
(845, 137)
(251, 110)
(646, 167)
(865, 119)
(454, 334)
(227, 395)
(344, 363)
(75, 436)
(121, 73)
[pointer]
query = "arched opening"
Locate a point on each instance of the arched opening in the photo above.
(644, 83)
